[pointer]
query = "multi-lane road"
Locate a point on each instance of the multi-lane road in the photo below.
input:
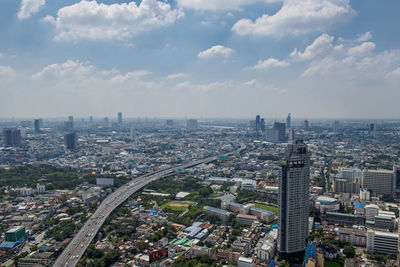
(75, 249)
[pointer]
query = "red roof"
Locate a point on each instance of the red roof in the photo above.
(245, 216)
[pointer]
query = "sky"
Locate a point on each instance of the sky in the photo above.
(200, 58)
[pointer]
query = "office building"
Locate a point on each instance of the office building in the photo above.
(70, 141)
(293, 199)
(36, 124)
(345, 186)
(262, 125)
(291, 136)
(306, 125)
(280, 127)
(68, 126)
(272, 135)
(245, 219)
(119, 117)
(385, 220)
(12, 137)
(15, 233)
(258, 123)
(396, 181)
(371, 211)
(336, 125)
(289, 121)
(350, 173)
(132, 133)
(382, 242)
(170, 123)
(192, 124)
(379, 182)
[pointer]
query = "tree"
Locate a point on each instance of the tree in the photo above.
(349, 251)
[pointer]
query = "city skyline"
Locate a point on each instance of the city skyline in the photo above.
(183, 58)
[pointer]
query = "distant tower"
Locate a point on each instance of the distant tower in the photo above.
(336, 125)
(12, 137)
(293, 200)
(132, 133)
(262, 125)
(192, 124)
(258, 123)
(36, 124)
(170, 123)
(120, 117)
(291, 136)
(105, 121)
(288, 121)
(280, 127)
(70, 141)
(306, 125)
(91, 119)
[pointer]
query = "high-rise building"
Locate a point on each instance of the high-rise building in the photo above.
(262, 125)
(91, 119)
(12, 137)
(336, 125)
(396, 181)
(292, 135)
(119, 117)
(170, 123)
(281, 128)
(132, 133)
(306, 125)
(379, 182)
(293, 200)
(68, 126)
(36, 124)
(258, 123)
(288, 121)
(70, 141)
(192, 124)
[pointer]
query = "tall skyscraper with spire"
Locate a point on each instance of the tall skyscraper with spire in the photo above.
(293, 200)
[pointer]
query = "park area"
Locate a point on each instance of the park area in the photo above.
(176, 206)
(266, 207)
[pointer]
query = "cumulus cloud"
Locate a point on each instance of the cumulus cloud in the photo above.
(215, 51)
(364, 37)
(361, 49)
(217, 5)
(270, 63)
(393, 75)
(297, 17)
(98, 21)
(321, 44)
(29, 7)
(67, 69)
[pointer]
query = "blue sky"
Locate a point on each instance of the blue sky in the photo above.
(200, 58)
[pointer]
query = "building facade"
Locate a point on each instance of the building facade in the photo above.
(293, 199)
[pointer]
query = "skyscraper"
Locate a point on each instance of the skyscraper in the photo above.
(293, 200)
(192, 124)
(288, 121)
(12, 137)
(306, 125)
(120, 117)
(281, 128)
(37, 126)
(336, 125)
(70, 141)
(258, 123)
(262, 125)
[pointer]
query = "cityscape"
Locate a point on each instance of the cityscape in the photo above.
(199, 133)
(153, 192)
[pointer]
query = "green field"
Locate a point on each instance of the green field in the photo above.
(176, 205)
(266, 207)
(332, 264)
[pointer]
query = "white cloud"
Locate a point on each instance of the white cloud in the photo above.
(67, 69)
(297, 17)
(133, 75)
(217, 5)
(7, 72)
(393, 75)
(98, 21)
(364, 37)
(321, 44)
(176, 76)
(29, 7)
(216, 50)
(361, 49)
(270, 63)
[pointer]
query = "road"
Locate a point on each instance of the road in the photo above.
(76, 248)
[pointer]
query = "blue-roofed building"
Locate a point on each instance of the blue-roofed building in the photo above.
(11, 244)
(311, 252)
(359, 208)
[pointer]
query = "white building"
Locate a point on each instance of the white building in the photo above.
(105, 181)
(382, 242)
(245, 262)
(371, 211)
(365, 195)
